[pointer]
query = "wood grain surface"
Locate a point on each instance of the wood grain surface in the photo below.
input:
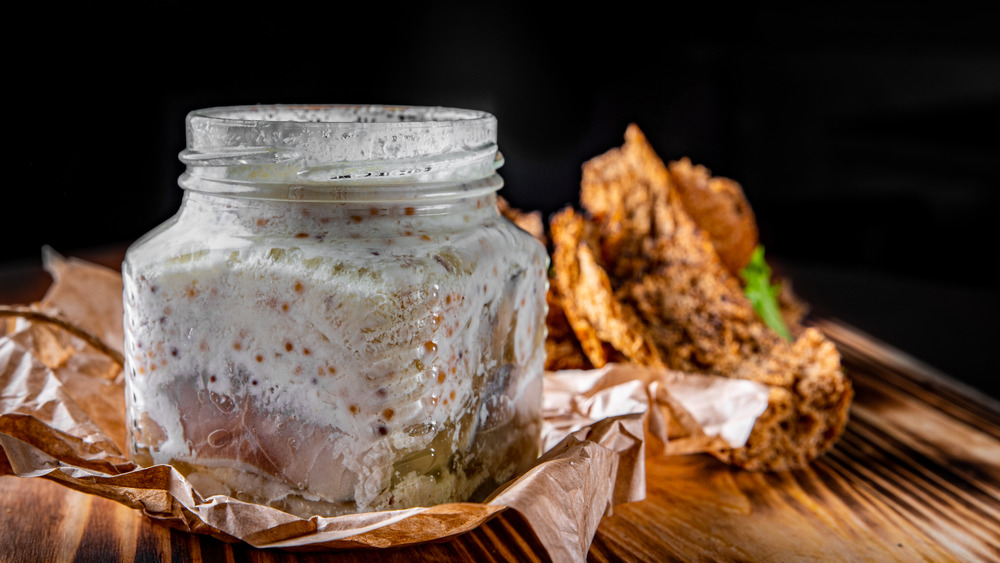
(916, 477)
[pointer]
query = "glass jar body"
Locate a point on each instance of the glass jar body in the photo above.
(335, 357)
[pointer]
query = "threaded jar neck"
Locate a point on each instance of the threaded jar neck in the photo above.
(341, 153)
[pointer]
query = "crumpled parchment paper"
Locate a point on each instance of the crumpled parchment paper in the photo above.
(62, 417)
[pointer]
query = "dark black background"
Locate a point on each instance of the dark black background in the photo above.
(865, 141)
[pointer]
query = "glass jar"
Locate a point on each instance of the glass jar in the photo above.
(338, 319)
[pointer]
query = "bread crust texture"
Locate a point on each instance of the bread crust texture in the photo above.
(639, 279)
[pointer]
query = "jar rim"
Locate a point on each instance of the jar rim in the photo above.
(330, 149)
(344, 115)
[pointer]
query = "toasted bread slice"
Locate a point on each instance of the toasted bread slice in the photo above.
(640, 279)
(720, 208)
(607, 329)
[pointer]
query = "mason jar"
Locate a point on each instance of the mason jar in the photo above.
(338, 319)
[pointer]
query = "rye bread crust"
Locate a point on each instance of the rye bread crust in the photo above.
(639, 280)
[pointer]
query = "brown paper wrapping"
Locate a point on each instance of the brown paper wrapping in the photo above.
(62, 417)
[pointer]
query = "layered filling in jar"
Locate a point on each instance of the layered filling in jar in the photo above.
(330, 358)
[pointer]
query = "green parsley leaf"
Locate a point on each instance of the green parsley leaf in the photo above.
(762, 294)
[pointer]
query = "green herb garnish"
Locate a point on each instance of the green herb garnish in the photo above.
(762, 294)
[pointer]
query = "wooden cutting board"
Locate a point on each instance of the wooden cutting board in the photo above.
(915, 477)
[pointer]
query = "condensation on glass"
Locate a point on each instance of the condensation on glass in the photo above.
(338, 319)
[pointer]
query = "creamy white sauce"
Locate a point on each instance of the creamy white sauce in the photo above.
(360, 356)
